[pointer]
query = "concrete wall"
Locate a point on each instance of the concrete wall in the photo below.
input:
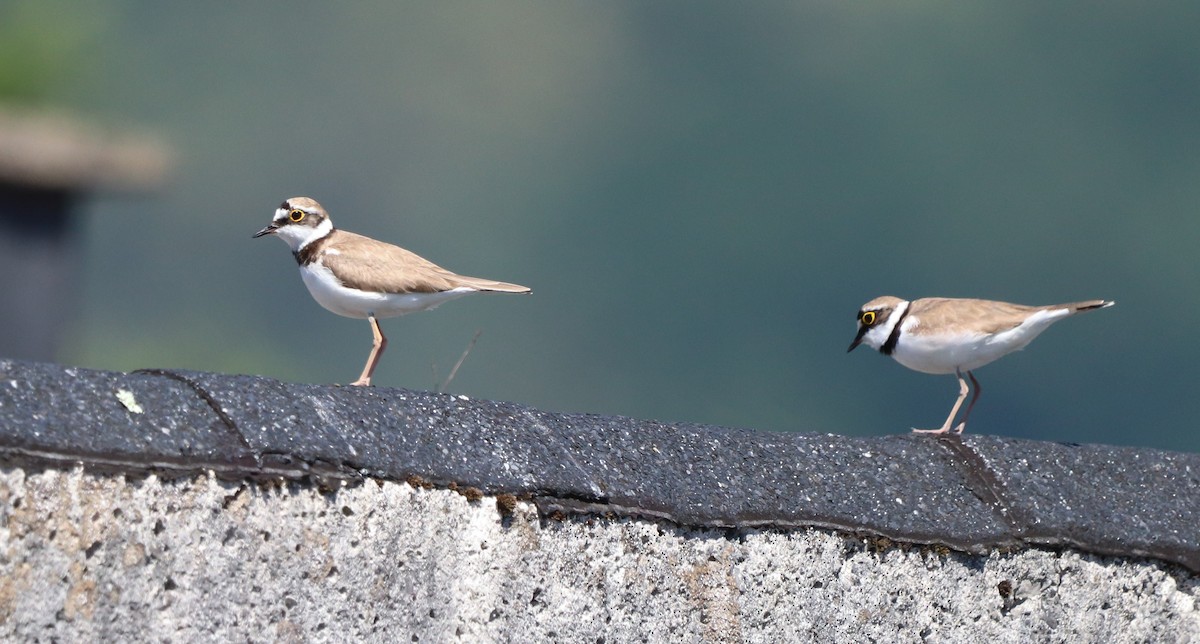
(87, 555)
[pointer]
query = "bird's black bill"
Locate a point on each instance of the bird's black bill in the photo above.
(271, 228)
(858, 338)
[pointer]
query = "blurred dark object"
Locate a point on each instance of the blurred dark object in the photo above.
(49, 163)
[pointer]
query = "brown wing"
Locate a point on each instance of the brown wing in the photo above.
(989, 316)
(986, 316)
(377, 266)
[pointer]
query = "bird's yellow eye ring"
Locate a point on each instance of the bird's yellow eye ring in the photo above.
(867, 318)
(296, 215)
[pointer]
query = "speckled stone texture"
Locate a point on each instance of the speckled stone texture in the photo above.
(973, 494)
(95, 556)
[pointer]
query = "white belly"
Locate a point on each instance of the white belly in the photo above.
(352, 303)
(946, 353)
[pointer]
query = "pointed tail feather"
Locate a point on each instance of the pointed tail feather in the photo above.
(480, 284)
(1089, 305)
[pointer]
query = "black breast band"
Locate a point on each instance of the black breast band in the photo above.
(894, 337)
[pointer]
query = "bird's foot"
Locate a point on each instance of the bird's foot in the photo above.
(943, 430)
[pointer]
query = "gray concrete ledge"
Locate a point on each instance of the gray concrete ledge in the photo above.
(973, 494)
(196, 505)
(122, 558)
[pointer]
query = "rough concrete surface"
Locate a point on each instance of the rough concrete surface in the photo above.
(94, 556)
(973, 494)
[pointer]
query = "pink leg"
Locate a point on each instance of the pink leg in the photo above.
(978, 390)
(377, 348)
(962, 395)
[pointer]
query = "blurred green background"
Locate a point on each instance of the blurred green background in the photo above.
(701, 195)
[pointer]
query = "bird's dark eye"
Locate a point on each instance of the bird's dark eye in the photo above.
(867, 318)
(296, 215)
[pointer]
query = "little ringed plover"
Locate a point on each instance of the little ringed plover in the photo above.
(360, 277)
(941, 335)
